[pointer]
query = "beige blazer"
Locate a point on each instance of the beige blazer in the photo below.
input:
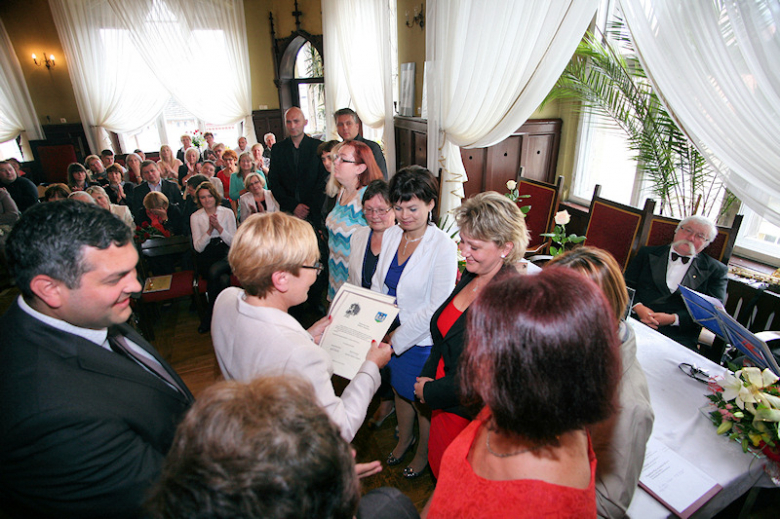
(246, 204)
(252, 341)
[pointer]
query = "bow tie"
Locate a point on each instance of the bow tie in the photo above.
(684, 259)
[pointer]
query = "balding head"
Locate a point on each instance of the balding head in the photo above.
(296, 122)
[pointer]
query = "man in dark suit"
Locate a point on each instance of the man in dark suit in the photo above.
(348, 127)
(656, 272)
(297, 180)
(151, 175)
(89, 408)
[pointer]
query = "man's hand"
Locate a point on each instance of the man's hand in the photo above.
(418, 387)
(301, 211)
(646, 315)
(664, 319)
(363, 470)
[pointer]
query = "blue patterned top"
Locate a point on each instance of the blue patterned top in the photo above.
(342, 222)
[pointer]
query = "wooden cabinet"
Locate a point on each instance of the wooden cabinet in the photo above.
(533, 146)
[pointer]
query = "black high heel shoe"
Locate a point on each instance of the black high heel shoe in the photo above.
(392, 460)
(411, 474)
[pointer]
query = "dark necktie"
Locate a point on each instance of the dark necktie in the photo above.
(118, 344)
(684, 259)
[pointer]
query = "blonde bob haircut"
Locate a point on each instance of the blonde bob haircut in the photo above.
(155, 200)
(267, 243)
(600, 266)
(208, 186)
(493, 217)
(250, 176)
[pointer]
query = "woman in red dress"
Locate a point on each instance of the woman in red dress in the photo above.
(493, 238)
(542, 363)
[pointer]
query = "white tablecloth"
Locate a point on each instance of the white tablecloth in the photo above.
(676, 399)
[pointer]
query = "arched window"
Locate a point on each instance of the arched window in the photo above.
(309, 85)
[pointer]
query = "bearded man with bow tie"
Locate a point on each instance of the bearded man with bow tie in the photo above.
(657, 272)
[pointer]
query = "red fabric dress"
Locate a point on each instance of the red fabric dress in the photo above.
(445, 426)
(461, 493)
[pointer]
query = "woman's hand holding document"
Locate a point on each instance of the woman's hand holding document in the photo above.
(357, 317)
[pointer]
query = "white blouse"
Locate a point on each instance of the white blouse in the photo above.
(199, 222)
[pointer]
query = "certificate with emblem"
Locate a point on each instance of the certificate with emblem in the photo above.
(358, 316)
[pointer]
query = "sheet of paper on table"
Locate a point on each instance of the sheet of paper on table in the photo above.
(675, 482)
(358, 317)
(157, 284)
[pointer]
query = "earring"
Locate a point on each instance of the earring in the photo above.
(503, 256)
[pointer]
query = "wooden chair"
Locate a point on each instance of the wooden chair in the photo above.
(544, 200)
(184, 283)
(661, 229)
(616, 228)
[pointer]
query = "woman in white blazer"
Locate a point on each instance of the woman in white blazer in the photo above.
(417, 264)
(275, 257)
(257, 199)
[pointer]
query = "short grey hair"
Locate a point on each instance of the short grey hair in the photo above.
(701, 220)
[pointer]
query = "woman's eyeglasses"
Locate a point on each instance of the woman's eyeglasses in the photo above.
(319, 267)
(339, 158)
(377, 212)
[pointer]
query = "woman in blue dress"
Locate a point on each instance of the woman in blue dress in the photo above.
(417, 264)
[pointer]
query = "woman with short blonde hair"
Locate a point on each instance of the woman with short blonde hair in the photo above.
(120, 211)
(275, 257)
(257, 199)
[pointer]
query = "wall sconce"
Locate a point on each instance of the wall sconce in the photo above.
(49, 62)
(419, 17)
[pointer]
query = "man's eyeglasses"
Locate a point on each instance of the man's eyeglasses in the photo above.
(691, 232)
(339, 158)
(377, 212)
(317, 266)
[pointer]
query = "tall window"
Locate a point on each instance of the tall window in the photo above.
(758, 238)
(309, 84)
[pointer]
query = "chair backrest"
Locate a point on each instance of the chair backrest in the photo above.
(616, 228)
(55, 160)
(154, 247)
(661, 231)
(544, 199)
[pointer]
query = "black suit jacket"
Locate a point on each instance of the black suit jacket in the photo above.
(377, 151)
(444, 393)
(647, 275)
(83, 430)
(169, 189)
(304, 184)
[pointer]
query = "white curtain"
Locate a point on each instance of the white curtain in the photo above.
(490, 64)
(358, 64)
(199, 52)
(115, 89)
(715, 64)
(17, 113)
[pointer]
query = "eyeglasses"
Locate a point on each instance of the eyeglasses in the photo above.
(339, 158)
(319, 267)
(377, 212)
(697, 235)
(695, 372)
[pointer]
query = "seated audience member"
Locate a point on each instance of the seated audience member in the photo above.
(120, 211)
(56, 192)
(160, 214)
(257, 199)
(153, 182)
(107, 158)
(209, 170)
(191, 201)
(140, 154)
(275, 258)
(119, 191)
(17, 166)
(168, 164)
(186, 143)
(620, 441)
(84, 426)
(82, 196)
(79, 179)
(209, 137)
(242, 146)
(261, 449)
(208, 154)
(657, 272)
(237, 188)
(133, 174)
(94, 165)
(260, 162)
(9, 213)
(190, 167)
(219, 150)
(21, 189)
(226, 162)
(348, 127)
(213, 227)
(493, 238)
(540, 366)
